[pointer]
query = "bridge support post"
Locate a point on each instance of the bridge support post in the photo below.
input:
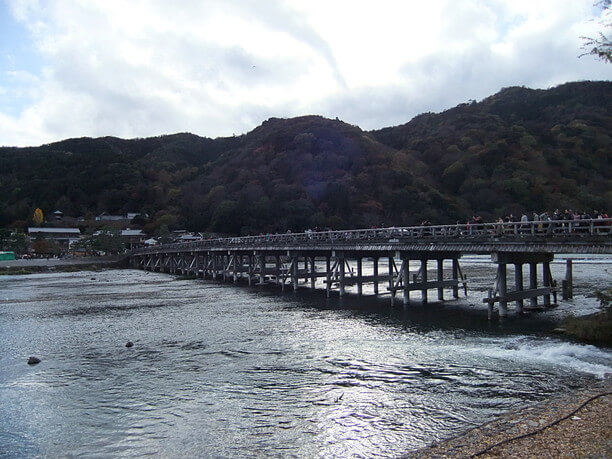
(234, 264)
(567, 283)
(518, 284)
(294, 272)
(313, 272)
(391, 277)
(277, 269)
(455, 270)
(341, 268)
(359, 275)
(262, 269)
(424, 279)
(440, 272)
(502, 289)
(250, 269)
(547, 281)
(283, 278)
(223, 261)
(327, 275)
(375, 272)
(533, 283)
(406, 280)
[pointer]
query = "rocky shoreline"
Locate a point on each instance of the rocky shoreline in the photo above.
(577, 424)
(39, 265)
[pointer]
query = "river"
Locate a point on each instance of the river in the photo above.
(221, 371)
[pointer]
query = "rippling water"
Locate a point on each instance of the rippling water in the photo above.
(220, 371)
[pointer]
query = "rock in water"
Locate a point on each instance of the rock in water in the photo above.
(33, 360)
(129, 344)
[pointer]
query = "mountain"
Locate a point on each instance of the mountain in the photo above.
(518, 150)
(521, 148)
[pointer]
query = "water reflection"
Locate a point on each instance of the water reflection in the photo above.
(222, 371)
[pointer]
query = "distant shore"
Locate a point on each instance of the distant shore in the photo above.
(575, 424)
(38, 265)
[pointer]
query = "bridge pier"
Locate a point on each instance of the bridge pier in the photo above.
(420, 280)
(500, 294)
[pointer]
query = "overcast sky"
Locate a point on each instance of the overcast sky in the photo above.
(139, 68)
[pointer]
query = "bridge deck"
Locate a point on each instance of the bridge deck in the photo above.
(566, 236)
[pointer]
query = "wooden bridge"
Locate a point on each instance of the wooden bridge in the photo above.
(420, 258)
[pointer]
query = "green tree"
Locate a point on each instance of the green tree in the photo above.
(5, 234)
(46, 247)
(163, 234)
(227, 217)
(108, 240)
(17, 242)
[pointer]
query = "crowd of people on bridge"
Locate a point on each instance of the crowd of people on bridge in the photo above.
(557, 215)
(545, 220)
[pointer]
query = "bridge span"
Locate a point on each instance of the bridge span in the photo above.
(419, 258)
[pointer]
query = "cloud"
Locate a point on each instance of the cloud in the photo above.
(215, 68)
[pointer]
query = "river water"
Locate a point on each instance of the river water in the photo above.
(220, 371)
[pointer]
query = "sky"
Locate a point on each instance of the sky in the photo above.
(141, 68)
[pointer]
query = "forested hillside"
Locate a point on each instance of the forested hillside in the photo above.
(518, 150)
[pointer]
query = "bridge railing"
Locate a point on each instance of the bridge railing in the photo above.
(573, 230)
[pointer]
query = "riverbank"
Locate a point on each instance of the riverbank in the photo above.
(38, 265)
(577, 424)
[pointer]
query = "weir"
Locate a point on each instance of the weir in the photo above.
(394, 261)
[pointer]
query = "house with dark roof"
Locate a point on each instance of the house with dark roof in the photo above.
(133, 238)
(65, 237)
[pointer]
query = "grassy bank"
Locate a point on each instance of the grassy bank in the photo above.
(595, 328)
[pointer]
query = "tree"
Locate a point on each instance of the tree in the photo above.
(38, 217)
(108, 240)
(5, 234)
(600, 46)
(17, 242)
(45, 247)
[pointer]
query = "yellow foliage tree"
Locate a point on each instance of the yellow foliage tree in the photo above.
(38, 217)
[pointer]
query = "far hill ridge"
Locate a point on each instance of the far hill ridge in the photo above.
(520, 150)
